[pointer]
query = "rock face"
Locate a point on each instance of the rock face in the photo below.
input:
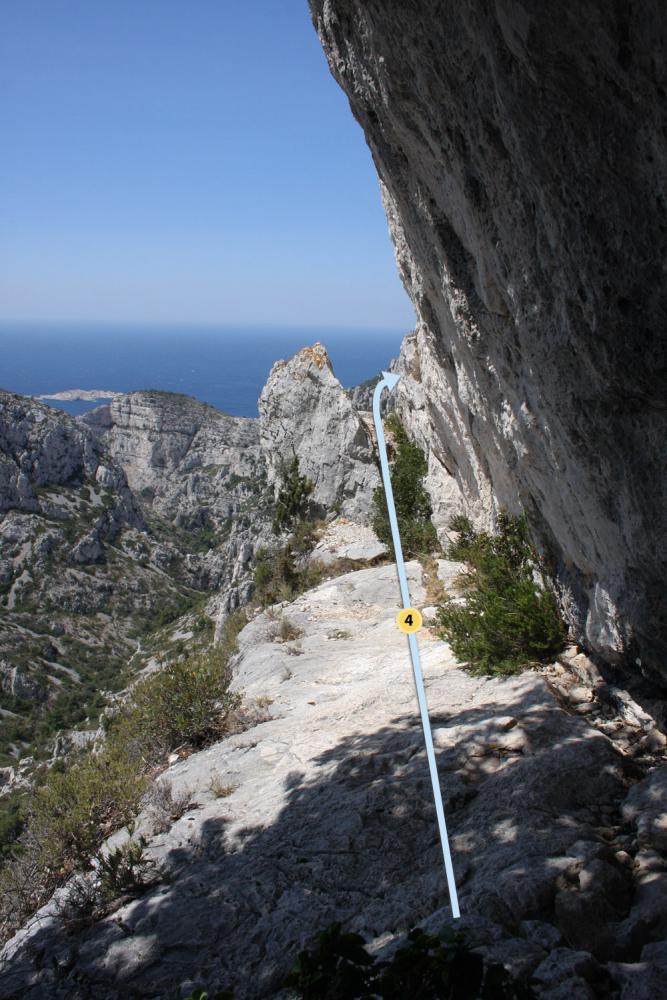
(456, 479)
(39, 448)
(197, 469)
(329, 816)
(304, 411)
(180, 454)
(522, 152)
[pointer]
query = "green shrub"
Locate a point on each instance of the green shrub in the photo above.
(126, 870)
(188, 702)
(178, 606)
(204, 539)
(292, 501)
(234, 623)
(413, 507)
(275, 575)
(263, 575)
(509, 620)
(287, 631)
(74, 810)
(304, 536)
(82, 801)
(284, 573)
(202, 625)
(12, 818)
(70, 814)
(427, 967)
(339, 966)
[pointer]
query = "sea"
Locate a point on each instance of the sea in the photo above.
(224, 366)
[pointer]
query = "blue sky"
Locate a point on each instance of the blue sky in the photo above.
(184, 160)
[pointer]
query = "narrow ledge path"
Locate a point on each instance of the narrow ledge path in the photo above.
(331, 817)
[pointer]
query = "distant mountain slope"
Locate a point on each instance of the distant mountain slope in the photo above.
(117, 523)
(91, 562)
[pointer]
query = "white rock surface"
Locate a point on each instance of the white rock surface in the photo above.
(304, 411)
(456, 480)
(345, 539)
(331, 817)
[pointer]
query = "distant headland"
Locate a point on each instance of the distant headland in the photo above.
(87, 394)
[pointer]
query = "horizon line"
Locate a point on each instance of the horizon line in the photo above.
(207, 324)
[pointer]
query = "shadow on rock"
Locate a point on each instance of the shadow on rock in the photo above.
(532, 800)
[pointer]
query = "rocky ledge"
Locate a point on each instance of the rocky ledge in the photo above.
(326, 814)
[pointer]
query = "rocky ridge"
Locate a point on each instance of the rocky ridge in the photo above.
(521, 152)
(317, 422)
(199, 471)
(146, 513)
(557, 831)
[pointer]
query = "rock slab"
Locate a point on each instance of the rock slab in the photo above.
(327, 815)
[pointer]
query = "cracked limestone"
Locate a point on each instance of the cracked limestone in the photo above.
(305, 412)
(327, 815)
(521, 150)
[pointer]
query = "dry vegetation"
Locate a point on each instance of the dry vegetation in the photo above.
(82, 801)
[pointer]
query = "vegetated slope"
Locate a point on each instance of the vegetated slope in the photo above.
(522, 151)
(324, 812)
(151, 507)
(91, 564)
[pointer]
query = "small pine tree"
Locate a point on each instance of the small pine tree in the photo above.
(413, 506)
(510, 619)
(292, 501)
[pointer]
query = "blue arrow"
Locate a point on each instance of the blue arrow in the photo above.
(388, 381)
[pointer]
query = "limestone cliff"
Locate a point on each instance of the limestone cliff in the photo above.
(199, 470)
(144, 512)
(521, 149)
(328, 816)
(305, 412)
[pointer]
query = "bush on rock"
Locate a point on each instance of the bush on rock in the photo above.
(510, 618)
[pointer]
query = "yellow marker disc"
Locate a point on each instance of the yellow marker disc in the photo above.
(409, 620)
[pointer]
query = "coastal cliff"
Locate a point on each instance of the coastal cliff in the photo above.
(124, 530)
(521, 151)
